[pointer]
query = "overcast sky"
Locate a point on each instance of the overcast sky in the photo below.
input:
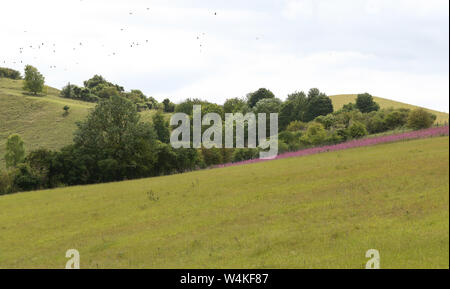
(396, 49)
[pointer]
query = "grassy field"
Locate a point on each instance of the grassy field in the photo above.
(341, 99)
(318, 211)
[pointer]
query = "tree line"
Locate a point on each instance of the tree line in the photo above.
(112, 144)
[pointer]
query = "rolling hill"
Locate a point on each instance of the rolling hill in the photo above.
(341, 99)
(318, 211)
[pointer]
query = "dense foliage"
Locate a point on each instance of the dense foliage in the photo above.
(9, 73)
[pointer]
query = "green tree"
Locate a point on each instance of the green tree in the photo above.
(254, 97)
(15, 151)
(318, 105)
(420, 119)
(161, 127)
(113, 132)
(34, 80)
(168, 105)
(365, 103)
(234, 105)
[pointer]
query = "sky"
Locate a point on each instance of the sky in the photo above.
(214, 50)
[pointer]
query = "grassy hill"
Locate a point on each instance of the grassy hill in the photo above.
(318, 211)
(341, 99)
(39, 119)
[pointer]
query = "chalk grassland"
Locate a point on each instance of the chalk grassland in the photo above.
(341, 99)
(39, 120)
(318, 211)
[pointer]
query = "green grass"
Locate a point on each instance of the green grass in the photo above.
(318, 211)
(341, 99)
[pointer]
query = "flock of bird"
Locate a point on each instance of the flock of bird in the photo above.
(53, 48)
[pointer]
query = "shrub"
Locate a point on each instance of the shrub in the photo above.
(296, 125)
(6, 182)
(9, 73)
(25, 180)
(244, 154)
(420, 118)
(395, 119)
(357, 130)
(315, 134)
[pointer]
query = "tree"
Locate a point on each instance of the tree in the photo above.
(15, 151)
(254, 97)
(161, 127)
(234, 105)
(293, 109)
(365, 103)
(168, 105)
(34, 80)
(313, 92)
(113, 132)
(420, 118)
(268, 105)
(318, 105)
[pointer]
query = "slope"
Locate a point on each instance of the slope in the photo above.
(317, 211)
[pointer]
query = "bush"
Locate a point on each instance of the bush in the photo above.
(296, 125)
(25, 180)
(6, 182)
(315, 134)
(244, 154)
(396, 118)
(420, 119)
(357, 130)
(9, 73)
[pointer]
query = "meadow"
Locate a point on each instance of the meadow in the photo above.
(317, 211)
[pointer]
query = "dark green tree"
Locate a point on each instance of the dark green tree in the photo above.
(365, 103)
(254, 97)
(318, 105)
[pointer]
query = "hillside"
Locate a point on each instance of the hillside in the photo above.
(318, 211)
(341, 99)
(39, 120)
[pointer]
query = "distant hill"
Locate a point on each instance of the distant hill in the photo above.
(341, 99)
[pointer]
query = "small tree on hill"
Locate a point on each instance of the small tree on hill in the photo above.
(34, 80)
(15, 151)
(365, 103)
